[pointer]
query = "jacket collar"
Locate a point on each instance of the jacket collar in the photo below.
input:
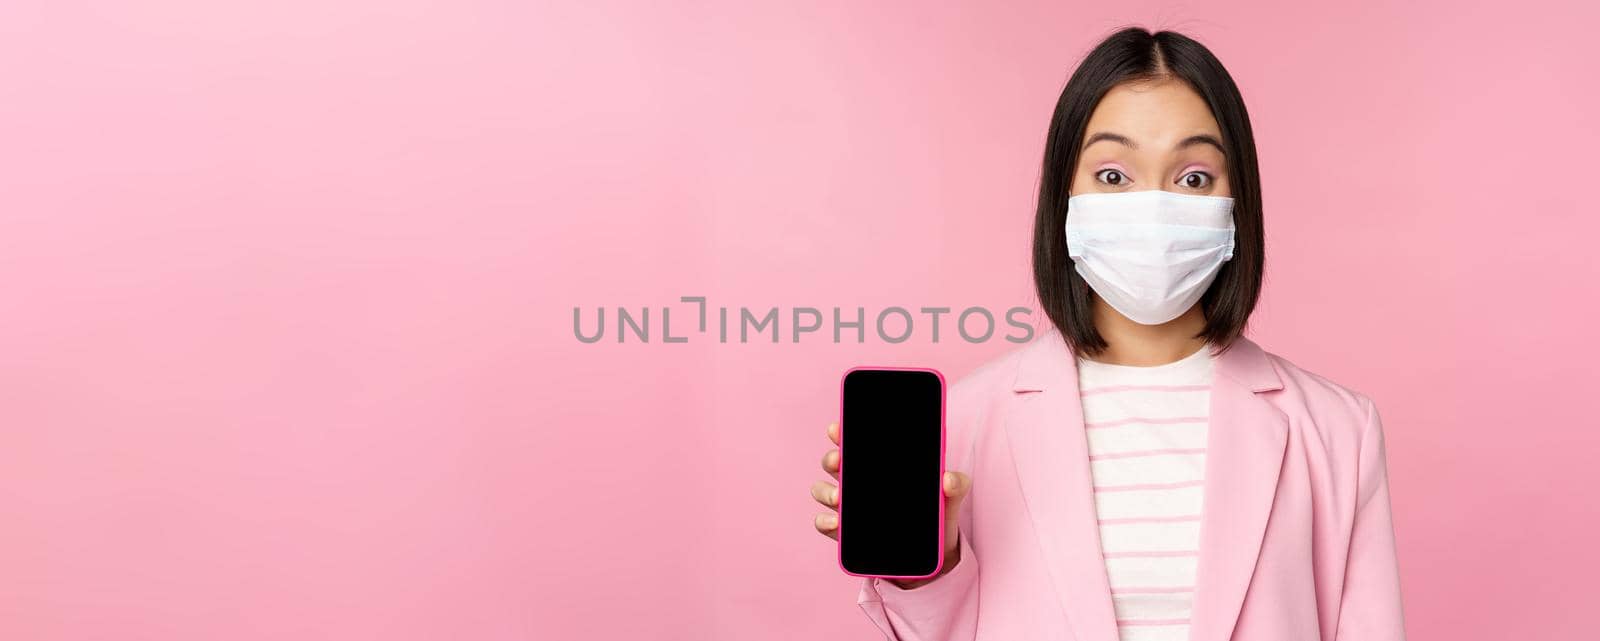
(1245, 450)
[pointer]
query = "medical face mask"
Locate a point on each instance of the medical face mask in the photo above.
(1149, 254)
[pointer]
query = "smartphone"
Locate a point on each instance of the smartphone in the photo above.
(891, 501)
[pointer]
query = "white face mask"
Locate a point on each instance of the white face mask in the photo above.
(1149, 254)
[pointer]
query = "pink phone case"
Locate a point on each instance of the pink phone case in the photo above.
(939, 487)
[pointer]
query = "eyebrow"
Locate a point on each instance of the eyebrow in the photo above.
(1106, 135)
(1199, 139)
(1202, 139)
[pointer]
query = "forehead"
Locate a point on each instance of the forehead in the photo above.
(1159, 111)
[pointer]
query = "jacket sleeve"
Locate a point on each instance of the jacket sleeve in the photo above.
(1370, 608)
(944, 609)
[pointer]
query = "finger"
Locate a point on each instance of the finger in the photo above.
(825, 493)
(956, 488)
(956, 484)
(833, 432)
(830, 463)
(827, 524)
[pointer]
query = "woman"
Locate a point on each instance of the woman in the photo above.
(1143, 471)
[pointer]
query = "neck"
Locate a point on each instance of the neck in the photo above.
(1130, 343)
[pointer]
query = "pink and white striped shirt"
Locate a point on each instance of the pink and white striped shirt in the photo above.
(1146, 430)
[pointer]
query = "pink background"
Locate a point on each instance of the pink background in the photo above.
(287, 295)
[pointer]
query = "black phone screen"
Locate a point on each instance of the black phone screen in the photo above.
(892, 448)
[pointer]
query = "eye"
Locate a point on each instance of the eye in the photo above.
(1111, 177)
(1195, 180)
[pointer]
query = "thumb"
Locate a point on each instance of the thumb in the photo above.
(956, 486)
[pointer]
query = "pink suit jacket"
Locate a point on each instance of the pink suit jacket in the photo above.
(1296, 541)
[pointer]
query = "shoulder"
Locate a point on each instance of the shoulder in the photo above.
(1314, 387)
(1337, 411)
(976, 399)
(999, 372)
(973, 393)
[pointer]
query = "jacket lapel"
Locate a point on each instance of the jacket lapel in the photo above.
(1052, 461)
(1244, 454)
(1245, 446)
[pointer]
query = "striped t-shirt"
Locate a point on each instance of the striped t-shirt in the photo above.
(1146, 429)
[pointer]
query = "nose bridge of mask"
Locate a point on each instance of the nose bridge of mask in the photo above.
(1151, 207)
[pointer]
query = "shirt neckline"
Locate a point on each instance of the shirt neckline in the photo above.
(1195, 364)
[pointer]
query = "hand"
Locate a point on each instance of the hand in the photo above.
(956, 486)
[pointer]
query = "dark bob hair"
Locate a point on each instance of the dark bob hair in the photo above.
(1129, 55)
